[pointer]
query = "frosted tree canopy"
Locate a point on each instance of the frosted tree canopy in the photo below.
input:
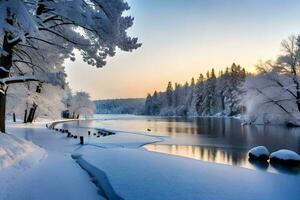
(36, 36)
(47, 31)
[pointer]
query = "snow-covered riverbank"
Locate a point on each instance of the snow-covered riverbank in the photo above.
(124, 170)
(48, 172)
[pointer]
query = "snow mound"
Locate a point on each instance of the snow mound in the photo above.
(13, 149)
(259, 152)
(285, 156)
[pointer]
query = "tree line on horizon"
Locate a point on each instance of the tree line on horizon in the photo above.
(212, 94)
(270, 96)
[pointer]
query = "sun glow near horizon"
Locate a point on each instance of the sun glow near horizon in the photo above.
(183, 39)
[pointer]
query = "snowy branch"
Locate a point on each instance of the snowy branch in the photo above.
(19, 79)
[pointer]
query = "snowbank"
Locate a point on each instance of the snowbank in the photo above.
(46, 170)
(14, 149)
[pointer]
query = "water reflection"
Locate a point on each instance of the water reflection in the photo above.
(236, 157)
(202, 138)
(205, 131)
(211, 154)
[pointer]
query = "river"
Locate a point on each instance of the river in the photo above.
(219, 140)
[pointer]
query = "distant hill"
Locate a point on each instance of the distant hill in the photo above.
(120, 106)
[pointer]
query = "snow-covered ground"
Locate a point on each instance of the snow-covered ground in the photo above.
(48, 172)
(124, 170)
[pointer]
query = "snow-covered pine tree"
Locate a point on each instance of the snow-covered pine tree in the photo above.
(209, 95)
(199, 93)
(148, 105)
(169, 94)
(234, 77)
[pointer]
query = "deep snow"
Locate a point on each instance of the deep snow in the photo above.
(14, 149)
(54, 175)
(124, 170)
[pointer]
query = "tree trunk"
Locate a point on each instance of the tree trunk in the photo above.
(25, 116)
(297, 94)
(295, 79)
(2, 111)
(5, 65)
(31, 113)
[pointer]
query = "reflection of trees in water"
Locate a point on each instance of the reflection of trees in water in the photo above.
(219, 155)
(211, 154)
(217, 131)
(274, 137)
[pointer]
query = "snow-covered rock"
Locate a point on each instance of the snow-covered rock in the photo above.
(285, 156)
(259, 153)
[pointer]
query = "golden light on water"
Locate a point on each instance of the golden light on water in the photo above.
(209, 154)
(227, 156)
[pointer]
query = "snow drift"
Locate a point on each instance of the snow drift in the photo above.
(14, 149)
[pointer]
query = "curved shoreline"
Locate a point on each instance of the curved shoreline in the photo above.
(98, 177)
(54, 123)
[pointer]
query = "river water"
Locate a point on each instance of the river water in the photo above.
(219, 140)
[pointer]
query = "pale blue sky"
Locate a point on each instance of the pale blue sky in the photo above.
(182, 38)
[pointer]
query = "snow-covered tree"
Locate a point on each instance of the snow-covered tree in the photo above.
(81, 105)
(213, 95)
(169, 93)
(199, 95)
(228, 88)
(37, 35)
(120, 106)
(31, 100)
(273, 96)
